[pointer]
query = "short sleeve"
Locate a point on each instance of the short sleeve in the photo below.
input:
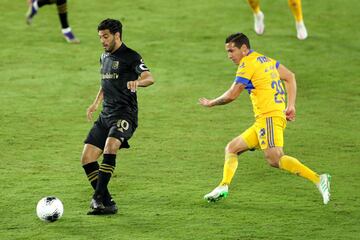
(138, 64)
(244, 73)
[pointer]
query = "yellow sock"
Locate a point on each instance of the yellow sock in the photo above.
(293, 165)
(295, 6)
(255, 6)
(230, 166)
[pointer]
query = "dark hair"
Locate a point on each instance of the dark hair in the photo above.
(112, 25)
(238, 39)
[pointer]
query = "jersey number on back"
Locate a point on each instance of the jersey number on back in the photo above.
(279, 95)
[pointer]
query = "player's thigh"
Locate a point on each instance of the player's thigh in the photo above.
(236, 145)
(247, 140)
(273, 155)
(270, 132)
(272, 139)
(90, 154)
(121, 129)
(98, 133)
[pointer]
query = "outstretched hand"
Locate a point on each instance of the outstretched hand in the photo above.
(205, 102)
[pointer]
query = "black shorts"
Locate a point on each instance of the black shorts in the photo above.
(121, 128)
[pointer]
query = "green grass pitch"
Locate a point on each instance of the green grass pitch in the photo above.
(177, 152)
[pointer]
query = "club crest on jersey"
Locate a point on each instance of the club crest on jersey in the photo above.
(262, 133)
(241, 66)
(115, 65)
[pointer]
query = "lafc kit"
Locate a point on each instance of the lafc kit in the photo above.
(262, 81)
(119, 115)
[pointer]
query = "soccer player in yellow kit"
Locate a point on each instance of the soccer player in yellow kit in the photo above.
(296, 9)
(262, 77)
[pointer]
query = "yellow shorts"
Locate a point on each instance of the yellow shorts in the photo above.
(267, 132)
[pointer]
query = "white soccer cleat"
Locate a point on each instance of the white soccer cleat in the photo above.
(324, 187)
(259, 25)
(218, 193)
(301, 31)
(69, 35)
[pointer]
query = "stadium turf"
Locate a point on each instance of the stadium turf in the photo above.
(177, 152)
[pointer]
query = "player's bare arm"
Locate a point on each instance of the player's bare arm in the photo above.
(93, 107)
(290, 85)
(145, 79)
(230, 95)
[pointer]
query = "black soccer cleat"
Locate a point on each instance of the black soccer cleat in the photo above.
(99, 208)
(108, 210)
(96, 204)
(95, 212)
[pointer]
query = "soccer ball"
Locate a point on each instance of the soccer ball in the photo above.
(49, 209)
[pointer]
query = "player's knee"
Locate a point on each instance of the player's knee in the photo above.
(85, 159)
(112, 145)
(90, 154)
(273, 158)
(111, 148)
(274, 164)
(230, 149)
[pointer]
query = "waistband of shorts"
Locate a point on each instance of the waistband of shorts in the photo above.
(271, 114)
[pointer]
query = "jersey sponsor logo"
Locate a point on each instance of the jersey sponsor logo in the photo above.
(262, 59)
(115, 65)
(107, 76)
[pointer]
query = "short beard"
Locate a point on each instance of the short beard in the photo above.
(111, 47)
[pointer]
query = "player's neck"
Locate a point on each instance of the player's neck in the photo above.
(117, 46)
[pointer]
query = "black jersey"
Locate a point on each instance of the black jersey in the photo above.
(117, 69)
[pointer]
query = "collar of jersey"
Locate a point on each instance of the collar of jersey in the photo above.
(120, 49)
(250, 52)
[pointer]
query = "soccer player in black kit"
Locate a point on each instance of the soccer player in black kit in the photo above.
(122, 72)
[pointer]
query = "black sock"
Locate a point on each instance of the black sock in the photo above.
(92, 172)
(62, 10)
(105, 171)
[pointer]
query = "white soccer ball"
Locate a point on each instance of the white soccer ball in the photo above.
(49, 209)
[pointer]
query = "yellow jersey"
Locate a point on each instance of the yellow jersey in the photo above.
(262, 80)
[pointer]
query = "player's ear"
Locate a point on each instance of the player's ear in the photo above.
(117, 34)
(243, 48)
